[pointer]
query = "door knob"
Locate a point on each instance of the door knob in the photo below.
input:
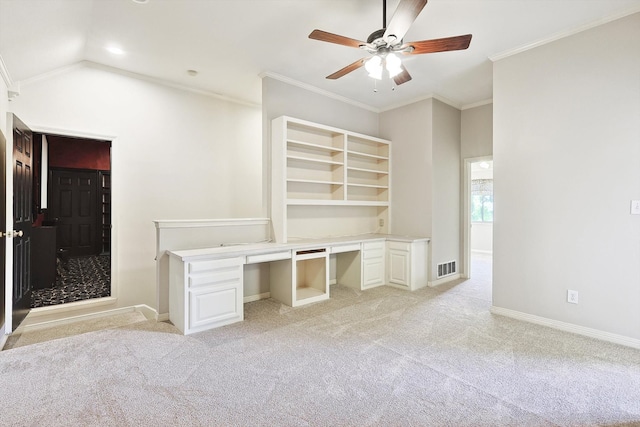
(13, 233)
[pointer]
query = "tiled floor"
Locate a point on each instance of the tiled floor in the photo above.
(82, 278)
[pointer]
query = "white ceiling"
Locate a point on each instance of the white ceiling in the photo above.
(231, 42)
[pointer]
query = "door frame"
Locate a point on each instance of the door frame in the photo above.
(466, 212)
(8, 293)
(8, 226)
(59, 310)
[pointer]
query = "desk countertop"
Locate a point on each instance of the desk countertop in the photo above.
(298, 244)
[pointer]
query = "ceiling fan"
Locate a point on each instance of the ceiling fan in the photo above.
(385, 43)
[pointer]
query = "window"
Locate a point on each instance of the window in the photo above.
(482, 200)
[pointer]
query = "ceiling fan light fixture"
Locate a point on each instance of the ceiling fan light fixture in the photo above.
(374, 67)
(385, 43)
(393, 65)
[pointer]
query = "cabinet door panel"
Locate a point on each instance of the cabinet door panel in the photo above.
(398, 267)
(373, 272)
(214, 305)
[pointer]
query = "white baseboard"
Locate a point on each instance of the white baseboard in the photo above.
(257, 297)
(64, 309)
(444, 280)
(147, 311)
(163, 317)
(333, 282)
(568, 327)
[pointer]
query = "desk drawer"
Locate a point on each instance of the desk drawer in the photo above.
(212, 265)
(274, 256)
(345, 248)
(215, 272)
(373, 250)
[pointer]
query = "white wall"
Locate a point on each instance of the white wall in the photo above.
(477, 132)
(572, 109)
(426, 175)
(177, 155)
(283, 99)
(445, 236)
(411, 131)
(482, 237)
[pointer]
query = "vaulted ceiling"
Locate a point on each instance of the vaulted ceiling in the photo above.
(230, 43)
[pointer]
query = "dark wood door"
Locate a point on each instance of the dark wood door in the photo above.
(3, 221)
(22, 220)
(73, 205)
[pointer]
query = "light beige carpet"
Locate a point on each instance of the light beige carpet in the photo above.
(75, 328)
(385, 357)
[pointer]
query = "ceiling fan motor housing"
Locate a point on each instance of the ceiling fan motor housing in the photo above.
(377, 39)
(375, 36)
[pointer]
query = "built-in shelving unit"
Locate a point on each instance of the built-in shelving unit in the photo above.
(320, 166)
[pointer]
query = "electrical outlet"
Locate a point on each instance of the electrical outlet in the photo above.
(572, 296)
(381, 222)
(635, 207)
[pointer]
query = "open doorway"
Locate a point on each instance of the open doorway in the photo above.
(71, 234)
(479, 213)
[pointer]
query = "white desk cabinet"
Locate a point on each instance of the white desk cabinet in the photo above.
(407, 264)
(206, 285)
(206, 293)
(302, 280)
(373, 264)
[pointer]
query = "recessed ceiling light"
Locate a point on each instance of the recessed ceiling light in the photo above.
(115, 50)
(192, 73)
(140, 1)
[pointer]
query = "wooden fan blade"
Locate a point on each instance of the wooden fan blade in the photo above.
(403, 77)
(439, 45)
(346, 70)
(403, 17)
(335, 38)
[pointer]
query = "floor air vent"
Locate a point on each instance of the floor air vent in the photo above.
(446, 269)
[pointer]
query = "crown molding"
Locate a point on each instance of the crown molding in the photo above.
(13, 88)
(52, 73)
(319, 91)
(446, 101)
(4, 72)
(323, 92)
(161, 82)
(423, 98)
(477, 104)
(563, 34)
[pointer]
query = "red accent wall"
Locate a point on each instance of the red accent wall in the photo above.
(77, 153)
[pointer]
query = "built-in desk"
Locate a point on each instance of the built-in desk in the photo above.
(206, 285)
